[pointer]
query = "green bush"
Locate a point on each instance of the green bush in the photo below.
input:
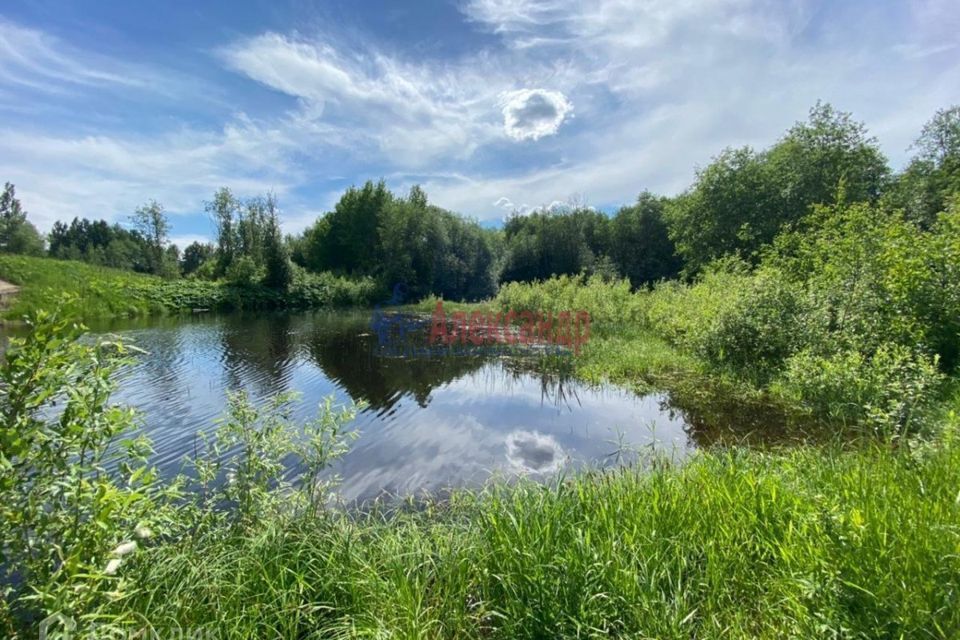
(747, 324)
(79, 502)
(74, 497)
(889, 391)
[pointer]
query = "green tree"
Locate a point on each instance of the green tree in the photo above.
(223, 209)
(17, 235)
(640, 245)
(151, 222)
(809, 164)
(348, 244)
(195, 256)
(731, 209)
(279, 269)
(743, 199)
(932, 178)
(561, 242)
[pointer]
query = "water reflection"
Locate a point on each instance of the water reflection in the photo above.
(431, 422)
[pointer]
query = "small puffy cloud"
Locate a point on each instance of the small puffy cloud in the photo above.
(530, 114)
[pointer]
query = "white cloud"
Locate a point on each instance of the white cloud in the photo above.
(530, 114)
(659, 87)
(60, 177)
(185, 240)
(34, 60)
(418, 112)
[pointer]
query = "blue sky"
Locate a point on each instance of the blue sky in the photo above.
(492, 106)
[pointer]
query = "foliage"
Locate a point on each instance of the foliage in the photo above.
(888, 391)
(611, 305)
(242, 472)
(848, 315)
(195, 256)
(76, 501)
(730, 210)
(99, 243)
(100, 292)
(640, 245)
(733, 544)
(431, 250)
(932, 179)
(223, 209)
(827, 156)
(344, 237)
(396, 240)
(276, 256)
(243, 272)
(746, 324)
(548, 243)
(17, 235)
(743, 199)
(150, 220)
(70, 491)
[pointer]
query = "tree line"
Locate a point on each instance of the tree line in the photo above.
(736, 206)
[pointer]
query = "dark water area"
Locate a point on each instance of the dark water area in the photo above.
(430, 423)
(432, 419)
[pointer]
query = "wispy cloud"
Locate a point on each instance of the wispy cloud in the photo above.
(35, 60)
(419, 112)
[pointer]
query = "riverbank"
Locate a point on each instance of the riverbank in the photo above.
(802, 543)
(101, 292)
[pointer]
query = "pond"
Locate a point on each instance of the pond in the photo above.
(430, 423)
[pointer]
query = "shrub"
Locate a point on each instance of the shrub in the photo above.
(70, 490)
(888, 392)
(78, 502)
(243, 271)
(764, 321)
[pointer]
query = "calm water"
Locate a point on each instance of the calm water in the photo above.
(431, 423)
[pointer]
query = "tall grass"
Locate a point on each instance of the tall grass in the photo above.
(806, 544)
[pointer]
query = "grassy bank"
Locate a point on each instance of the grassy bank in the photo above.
(101, 292)
(803, 544)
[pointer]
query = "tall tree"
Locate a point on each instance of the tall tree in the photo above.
(558, 242)
(932, 178)
(349, 242)
(222, 209)
(279, 270)
(811, 161)
(743, 199)
(640, 245)
(195, 255)
(151, 221)
(732, 208)
(17, 235)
